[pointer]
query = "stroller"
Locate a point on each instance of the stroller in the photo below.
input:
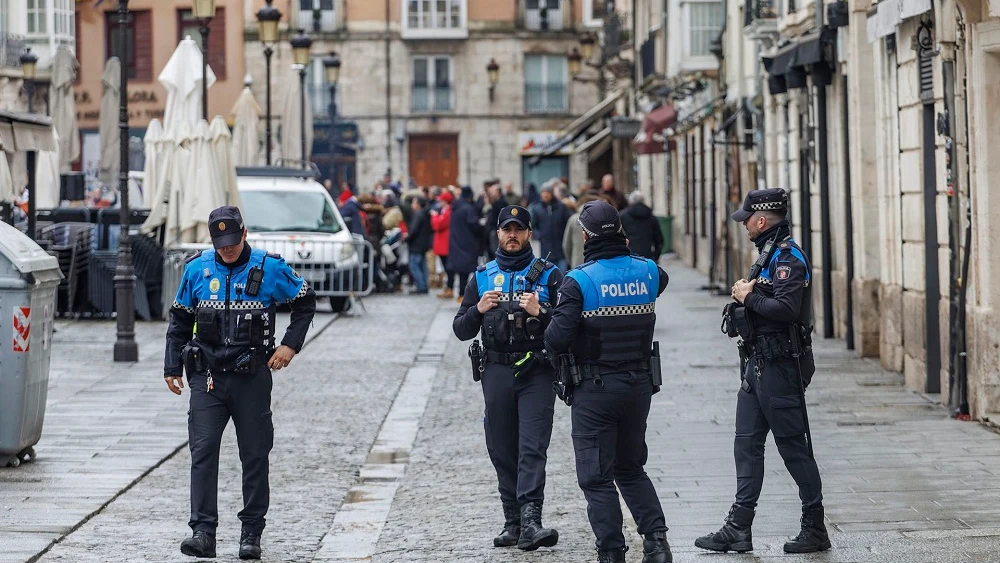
(391, 263)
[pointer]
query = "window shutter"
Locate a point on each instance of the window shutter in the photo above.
(142, 35)
(217, 43)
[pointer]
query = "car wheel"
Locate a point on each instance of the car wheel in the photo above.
(340, 304)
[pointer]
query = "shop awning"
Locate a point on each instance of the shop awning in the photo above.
(890, 13)
(592, 142)
(786, 68)
(569, 133)
(651, 139)
(26, 132)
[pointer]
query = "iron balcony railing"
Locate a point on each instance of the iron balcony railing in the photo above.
(427, 98)
(759, 10)
(543, 15)
(11, 49)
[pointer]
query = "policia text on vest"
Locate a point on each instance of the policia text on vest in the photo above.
(602, 332)
(508, 303)
(221, 334)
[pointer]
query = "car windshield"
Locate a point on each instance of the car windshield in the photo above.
(269, 211)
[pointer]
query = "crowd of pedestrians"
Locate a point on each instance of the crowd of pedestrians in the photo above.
(449, 231)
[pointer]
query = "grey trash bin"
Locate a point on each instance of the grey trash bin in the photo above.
(29, 277)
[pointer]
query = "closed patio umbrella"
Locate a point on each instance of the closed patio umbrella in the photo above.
(291, 124)
(151, 170)
(246, 140)
(64, 69)
(222, 149)
(110, 162)
(182, 79)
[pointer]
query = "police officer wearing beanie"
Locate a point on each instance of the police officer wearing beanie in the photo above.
(777, 370)
(222, 333)
(604, 315)
(508, 303)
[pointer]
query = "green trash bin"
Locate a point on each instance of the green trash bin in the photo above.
(666, 226)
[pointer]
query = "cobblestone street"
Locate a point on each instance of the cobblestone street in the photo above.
(379, 453)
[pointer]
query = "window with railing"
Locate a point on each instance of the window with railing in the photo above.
(11, 48)
(434, 18)
(703, 23)
(432, 84)
(543, 15)
(318, 87)
(317, 15)
(545, 83)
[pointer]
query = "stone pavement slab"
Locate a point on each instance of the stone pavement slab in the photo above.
(106, 426)
(328, 406)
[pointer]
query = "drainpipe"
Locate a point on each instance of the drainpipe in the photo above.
(826, 240)
(848, 221)
(963, 356)
(388, 90)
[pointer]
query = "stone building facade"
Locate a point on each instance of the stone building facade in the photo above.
(416, 86)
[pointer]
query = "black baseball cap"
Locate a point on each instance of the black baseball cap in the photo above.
(225, 224)
(514, 213)
(773, 199)
(599, 218)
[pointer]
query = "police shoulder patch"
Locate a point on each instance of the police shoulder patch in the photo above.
(783, 272)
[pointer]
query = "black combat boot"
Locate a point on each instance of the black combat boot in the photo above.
(511, 526)
(250, 545)
(656, 549)
(533, 535)
(611, 555)
(735, 535)
(201, 544)
(813, 536)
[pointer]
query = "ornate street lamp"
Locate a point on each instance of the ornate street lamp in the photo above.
(267, 20)
(587, 44)
(29, 63)
(300, 55)
(126, 348)
(493, 73)
(574, 57)
(204, 11)
(331, 65)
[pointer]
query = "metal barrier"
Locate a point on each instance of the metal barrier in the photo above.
(332, 268)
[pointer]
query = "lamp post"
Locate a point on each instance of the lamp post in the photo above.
(267, 21)
(332, 66)
(300, 54)
(126, 348)
(577, 57)
(204, 11)
(493, 73)
(29, 63)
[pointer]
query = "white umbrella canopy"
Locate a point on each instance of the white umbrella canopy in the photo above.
(246, 140)
(291, 125)
(200, 192)
(182, 79)
(222, 149)
(166, 207)
(64, 69)
(47, 176)
(151, 170)
(7, 191)
(110, 162)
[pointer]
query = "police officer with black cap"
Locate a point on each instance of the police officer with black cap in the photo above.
(771, 314)
(603, 322)
(508, 303)
(222, 333)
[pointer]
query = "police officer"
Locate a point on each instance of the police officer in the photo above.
(221, 333)
(778, 353)
(604, 317)
(508, 301)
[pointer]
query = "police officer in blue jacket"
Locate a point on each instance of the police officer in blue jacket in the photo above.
(604, 316)
(508, 302)
(222, 333)
(778, 306)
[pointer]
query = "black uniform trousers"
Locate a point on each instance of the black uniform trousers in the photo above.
(247, 400)
(518, 423)
(771, 403)
(609, 436)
